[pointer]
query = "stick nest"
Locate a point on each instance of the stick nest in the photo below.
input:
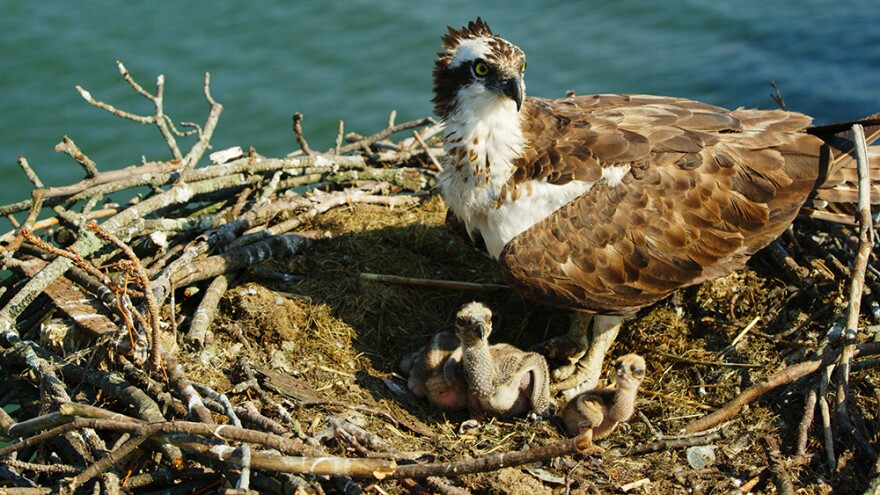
(214, 331)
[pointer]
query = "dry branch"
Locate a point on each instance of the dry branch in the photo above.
(71, 149)
(274, 247)
(204, 315)
(492, 462)
(860, 264)
(782, 377)
(440, 284)
(140, 274)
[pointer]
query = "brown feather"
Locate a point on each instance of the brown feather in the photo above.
(707, 189)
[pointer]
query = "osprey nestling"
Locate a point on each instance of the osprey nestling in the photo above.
(605, 204)
(595, 413)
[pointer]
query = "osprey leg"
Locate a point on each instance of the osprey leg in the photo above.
(568, 348)
(588, 369)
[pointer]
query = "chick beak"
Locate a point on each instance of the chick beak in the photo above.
(483, 329)
(512, 88)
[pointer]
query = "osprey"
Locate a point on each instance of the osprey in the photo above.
(605, 204)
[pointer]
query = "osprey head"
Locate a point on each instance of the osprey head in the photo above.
(476, 63)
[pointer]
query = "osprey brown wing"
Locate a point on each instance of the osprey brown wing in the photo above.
(706, 188)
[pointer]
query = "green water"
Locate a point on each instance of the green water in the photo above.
(358, 60)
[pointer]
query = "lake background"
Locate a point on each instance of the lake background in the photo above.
(356, 61)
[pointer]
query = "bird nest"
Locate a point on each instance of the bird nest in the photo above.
(238, 328)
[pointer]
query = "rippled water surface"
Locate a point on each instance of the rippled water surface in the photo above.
(358, 60)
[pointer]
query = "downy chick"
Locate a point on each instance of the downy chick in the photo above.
(595, 413)
(435, 372)
(502, 380)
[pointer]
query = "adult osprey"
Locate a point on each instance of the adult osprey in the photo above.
(605, 204)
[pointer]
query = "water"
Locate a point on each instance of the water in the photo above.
(358, 60)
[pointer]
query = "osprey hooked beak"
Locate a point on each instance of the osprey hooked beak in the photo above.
(507, 81)
(512, 87)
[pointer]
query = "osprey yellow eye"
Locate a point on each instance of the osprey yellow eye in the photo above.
(481, 69)
(523, 70)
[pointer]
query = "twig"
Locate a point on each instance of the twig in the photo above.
(244, 478)
(158, 102)
(300, 138)
(51, 222)
(369, 440)
(158, 118)
(41, 468)
(392, 116)
(33, 425)
(29, 172)
(368, 141)
(204, 315)
(167, 476)
(340, 135)
(492, 462)
(777, 467)
(144, 279)
(444, 486)
(12, 220)
(795, 273)
(669, 444)
(440, 284)
(249, 413)
(707, 362)
(321, 466)
(782, 377)
(178, 379)
(161, 174)
(412, 179)
(25, 486)
(806, 420)
(857, 283)
(205, 134)
(732, 346)
(6, 421)
(72, 150)
(111, 384)
(825, 413)
(269, 190)
(105, 463)
(38, 438)
(86, 245)
(153, 387)
(777, 95)
(212, 431)
(275, 247)
(77, 260)
(347, 197)
(437, 166)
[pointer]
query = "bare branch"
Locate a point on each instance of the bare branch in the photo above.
(204, 314)
(300, 138)
(440, 284)
(144, 280)
(70, 148)
(782, 377)
(860, 264)
(357, 145)
(29, 172)
(207, 132)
